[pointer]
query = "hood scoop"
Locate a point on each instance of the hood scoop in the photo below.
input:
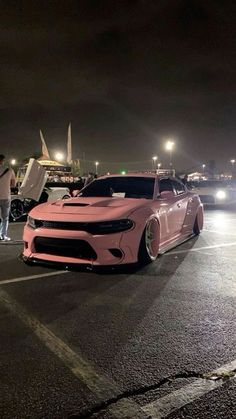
(74, 204)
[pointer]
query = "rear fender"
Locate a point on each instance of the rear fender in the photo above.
(194, 208)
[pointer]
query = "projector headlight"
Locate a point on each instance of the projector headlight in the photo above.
(110, 227)
(221, 195)
(31, 222)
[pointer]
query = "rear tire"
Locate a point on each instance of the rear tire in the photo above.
(198, 223)
(149, 244)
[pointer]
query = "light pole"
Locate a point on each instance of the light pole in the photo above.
(96, 167)
(203, 168)
(169, 147)
(154, 160)
(159, 166)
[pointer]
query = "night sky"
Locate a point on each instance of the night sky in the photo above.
(127, 74)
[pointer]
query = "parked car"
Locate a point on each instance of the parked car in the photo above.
(116, 219)
(215, 192)
(21, 206)
(32, 193)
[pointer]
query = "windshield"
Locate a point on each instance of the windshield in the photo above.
(124, 187)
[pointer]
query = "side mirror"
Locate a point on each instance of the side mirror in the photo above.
(166, 194)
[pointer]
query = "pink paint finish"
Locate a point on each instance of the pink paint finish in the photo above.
(153, 221)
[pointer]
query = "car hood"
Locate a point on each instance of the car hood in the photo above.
(88, 209)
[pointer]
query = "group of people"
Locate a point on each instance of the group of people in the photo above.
(7, 181)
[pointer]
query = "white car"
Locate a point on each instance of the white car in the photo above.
(31, 194)
(215, 192)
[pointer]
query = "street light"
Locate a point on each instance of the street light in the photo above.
(96, 166)
(203, 167)
(232, 161)
(13, 162)
(169, 147)
(59, 156)
(154, 160)
(159, 165)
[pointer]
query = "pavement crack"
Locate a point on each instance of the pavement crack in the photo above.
(136, 392)
(99, 407)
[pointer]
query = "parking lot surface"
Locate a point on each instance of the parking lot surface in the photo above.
(154, 342)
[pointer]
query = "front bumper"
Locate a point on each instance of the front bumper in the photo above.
(107, 250)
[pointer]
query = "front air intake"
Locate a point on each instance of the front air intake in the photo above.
(79, 249)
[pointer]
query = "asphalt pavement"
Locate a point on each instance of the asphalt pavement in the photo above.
(155, 342)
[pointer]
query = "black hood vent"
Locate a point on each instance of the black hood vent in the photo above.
(74, 204)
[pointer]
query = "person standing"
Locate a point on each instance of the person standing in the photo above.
(7, 181)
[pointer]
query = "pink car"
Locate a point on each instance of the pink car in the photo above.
(114, 220)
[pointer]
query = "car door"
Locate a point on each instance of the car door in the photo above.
(181, 203)
(168, 202)
(174, 201)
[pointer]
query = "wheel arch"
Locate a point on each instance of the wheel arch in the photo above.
(142, 216)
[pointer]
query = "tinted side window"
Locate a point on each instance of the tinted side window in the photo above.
(165, 185)
(178, 187)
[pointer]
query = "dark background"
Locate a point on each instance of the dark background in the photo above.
(127, 74)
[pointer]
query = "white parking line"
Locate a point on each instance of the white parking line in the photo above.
(28, 278)
(102, 387)
(77, 365)
(11, 242)
(213, 220)
(163, 407)
(197, 249)
(224, 233)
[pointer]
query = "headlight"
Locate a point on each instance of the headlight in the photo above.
(221, 195)
(31, 222)
(109, 227)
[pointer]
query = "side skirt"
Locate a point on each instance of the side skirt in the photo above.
(177, 242)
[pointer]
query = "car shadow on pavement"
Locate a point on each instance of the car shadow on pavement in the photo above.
(81, 306)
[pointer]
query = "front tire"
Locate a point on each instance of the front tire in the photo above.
(149, 245)
(198, 223)
(17, 209)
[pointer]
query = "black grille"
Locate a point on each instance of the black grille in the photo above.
(62, 225)
(65, 247)
(103, 227)
(207, 199)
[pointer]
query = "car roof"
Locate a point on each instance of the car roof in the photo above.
(138, 174)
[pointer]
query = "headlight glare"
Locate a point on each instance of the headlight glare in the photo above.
(221, 195)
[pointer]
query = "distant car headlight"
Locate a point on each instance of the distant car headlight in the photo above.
(31, 222)
(221, 195)
(109, 227)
